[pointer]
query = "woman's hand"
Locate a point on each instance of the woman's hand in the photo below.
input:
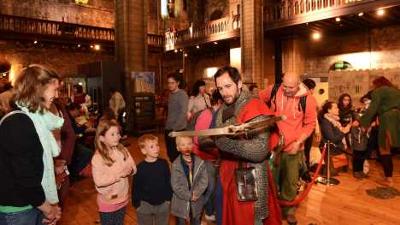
(51, 213)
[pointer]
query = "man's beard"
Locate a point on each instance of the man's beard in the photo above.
(234, 98)
(289, 94)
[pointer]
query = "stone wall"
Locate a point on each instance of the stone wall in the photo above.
(98, 13)
(196, 70)
(375, 49)
(64, 61)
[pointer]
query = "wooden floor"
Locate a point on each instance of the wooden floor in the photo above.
(345, 204)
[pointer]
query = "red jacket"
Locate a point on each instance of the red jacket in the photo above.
(298, 124)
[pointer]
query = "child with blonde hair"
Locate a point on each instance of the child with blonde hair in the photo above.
(189, 180)
(151, 193)
(111, 165)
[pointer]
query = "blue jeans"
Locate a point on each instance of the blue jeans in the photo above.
(210, 193)
(193, 221)
(26, 217)
(218, 201)
(113, 218)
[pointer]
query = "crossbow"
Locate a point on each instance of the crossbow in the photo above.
(232, 130)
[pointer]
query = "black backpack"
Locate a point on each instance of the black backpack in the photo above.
(302, 102)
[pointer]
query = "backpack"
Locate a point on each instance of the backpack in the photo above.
(302, 102)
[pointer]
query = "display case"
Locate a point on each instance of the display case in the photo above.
(142, 114)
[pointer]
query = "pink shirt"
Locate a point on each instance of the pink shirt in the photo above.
(112, 181)
(203, 122)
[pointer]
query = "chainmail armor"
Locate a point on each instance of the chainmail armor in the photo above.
(252, 151)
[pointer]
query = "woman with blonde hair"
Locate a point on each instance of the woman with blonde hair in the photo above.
(27, 147)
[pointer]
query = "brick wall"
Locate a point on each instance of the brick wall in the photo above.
(377, 49)
(97, 13)
(64, 61)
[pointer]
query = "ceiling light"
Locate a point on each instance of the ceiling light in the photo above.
(380, 12)
(360, 14)
(81, 2)
(337, 19)
(79, 45)
(316, 35)
(91, 46)
(97, 47)
(176, 50)
(35, 42)
(197, 46)
(215, 43)
(185, 54)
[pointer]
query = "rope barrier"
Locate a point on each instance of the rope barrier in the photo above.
(304, 194)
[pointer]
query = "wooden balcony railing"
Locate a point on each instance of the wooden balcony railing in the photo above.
(293, 12)
(22, 25)
(221, 29)
(155, 40)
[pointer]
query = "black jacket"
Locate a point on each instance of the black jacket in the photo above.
(331, 133)
(21, 163)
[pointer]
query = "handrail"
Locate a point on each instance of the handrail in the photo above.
(215, 28)
(155, 40)
(289, 9)
(17, 24)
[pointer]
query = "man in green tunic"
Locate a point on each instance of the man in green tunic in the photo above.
(386, 105)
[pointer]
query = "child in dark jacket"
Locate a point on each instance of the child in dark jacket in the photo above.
(359, 142)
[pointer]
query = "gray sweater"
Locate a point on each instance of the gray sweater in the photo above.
(177, 110)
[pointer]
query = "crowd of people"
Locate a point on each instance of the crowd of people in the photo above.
(233, 180)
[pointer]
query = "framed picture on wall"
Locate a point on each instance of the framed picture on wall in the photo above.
(143, 82)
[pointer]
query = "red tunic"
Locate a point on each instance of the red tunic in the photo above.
(234, 211)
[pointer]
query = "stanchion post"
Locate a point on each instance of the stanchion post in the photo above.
(328, 180)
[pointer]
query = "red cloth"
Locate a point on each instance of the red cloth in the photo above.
(68, 137)
(242, 213)
(79, 98)
(298, 124)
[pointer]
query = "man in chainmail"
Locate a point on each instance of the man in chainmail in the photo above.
(251, 151)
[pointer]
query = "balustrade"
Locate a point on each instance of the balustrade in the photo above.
(216, 29)
(23, 25)
(289, 9)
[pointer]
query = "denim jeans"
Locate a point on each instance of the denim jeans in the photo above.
(218, 201)
(26, 217)
(193, 221)
(210, 193)
(113, 218)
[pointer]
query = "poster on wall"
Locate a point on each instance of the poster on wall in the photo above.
(358, 82)
(143, 82)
